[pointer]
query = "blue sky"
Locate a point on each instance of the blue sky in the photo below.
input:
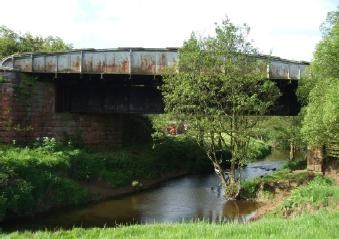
(287, 28)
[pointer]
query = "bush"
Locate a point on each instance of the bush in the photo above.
(296, 164)
(181, 153)
(63, 192)
(31, 180)
(259, 150)
(249, 189)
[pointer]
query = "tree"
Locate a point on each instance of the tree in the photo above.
(281, 132)
(319, 88)
(12, 42)
(218, 82)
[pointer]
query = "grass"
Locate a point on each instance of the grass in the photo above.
(319, 225)
(320, 193)
(266, 184)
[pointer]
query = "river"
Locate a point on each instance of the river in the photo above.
(190, 198)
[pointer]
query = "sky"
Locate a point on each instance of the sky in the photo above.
(284, 28)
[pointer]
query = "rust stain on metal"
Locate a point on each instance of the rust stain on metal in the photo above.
(23, 67)
(88, 66)
(50, 67)
(148, 64)
(50, 63)
(126, 61)
(99, 67)
(118, 67)
(163, 63)
(112, 67)
(76, 63)
(125, 66)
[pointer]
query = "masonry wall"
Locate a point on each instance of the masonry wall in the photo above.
(315, 159)
(27, 111)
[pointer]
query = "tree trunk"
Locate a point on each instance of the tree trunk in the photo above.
(229, 184)
(292, 151)
(232, 188)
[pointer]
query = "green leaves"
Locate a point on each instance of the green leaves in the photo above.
(319, 88)
(12, 42)
(218, 83)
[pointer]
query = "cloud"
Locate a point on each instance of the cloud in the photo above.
(290, 28)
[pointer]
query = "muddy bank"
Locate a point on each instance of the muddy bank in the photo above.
(102, 190)
(270, 205)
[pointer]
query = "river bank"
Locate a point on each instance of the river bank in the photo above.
(323, 205)
(46, 176)
(283, 191)
(311, 211)
(192, 197)
(49, 176)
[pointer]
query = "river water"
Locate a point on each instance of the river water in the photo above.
(190, 198)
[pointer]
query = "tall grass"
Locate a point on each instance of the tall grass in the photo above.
(321, 192)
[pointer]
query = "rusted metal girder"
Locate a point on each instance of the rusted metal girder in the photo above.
(129, 61)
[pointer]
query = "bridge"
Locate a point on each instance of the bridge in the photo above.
(126, 61)
(125, 79)
(97, 87)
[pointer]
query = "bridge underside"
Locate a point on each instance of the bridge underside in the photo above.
(137, 94)
(115, 94)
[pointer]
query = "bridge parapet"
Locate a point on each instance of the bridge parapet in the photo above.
(126, 61)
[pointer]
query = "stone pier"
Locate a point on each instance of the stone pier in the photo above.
(315, 159)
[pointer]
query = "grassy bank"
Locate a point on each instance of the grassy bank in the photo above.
(320, 193)
(48, 174)
(292, 175)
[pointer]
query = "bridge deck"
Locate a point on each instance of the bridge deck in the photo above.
(130, 61)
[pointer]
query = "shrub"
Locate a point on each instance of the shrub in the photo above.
(296, 164)
(65, 192)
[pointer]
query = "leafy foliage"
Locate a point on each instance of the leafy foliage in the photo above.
(280, 131)
(12, 42)
(319, 88)
(217, 84)
(47, 174)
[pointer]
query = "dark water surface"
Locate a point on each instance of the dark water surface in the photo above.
(185, 199)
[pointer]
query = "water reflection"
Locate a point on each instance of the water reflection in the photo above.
(185, 199)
